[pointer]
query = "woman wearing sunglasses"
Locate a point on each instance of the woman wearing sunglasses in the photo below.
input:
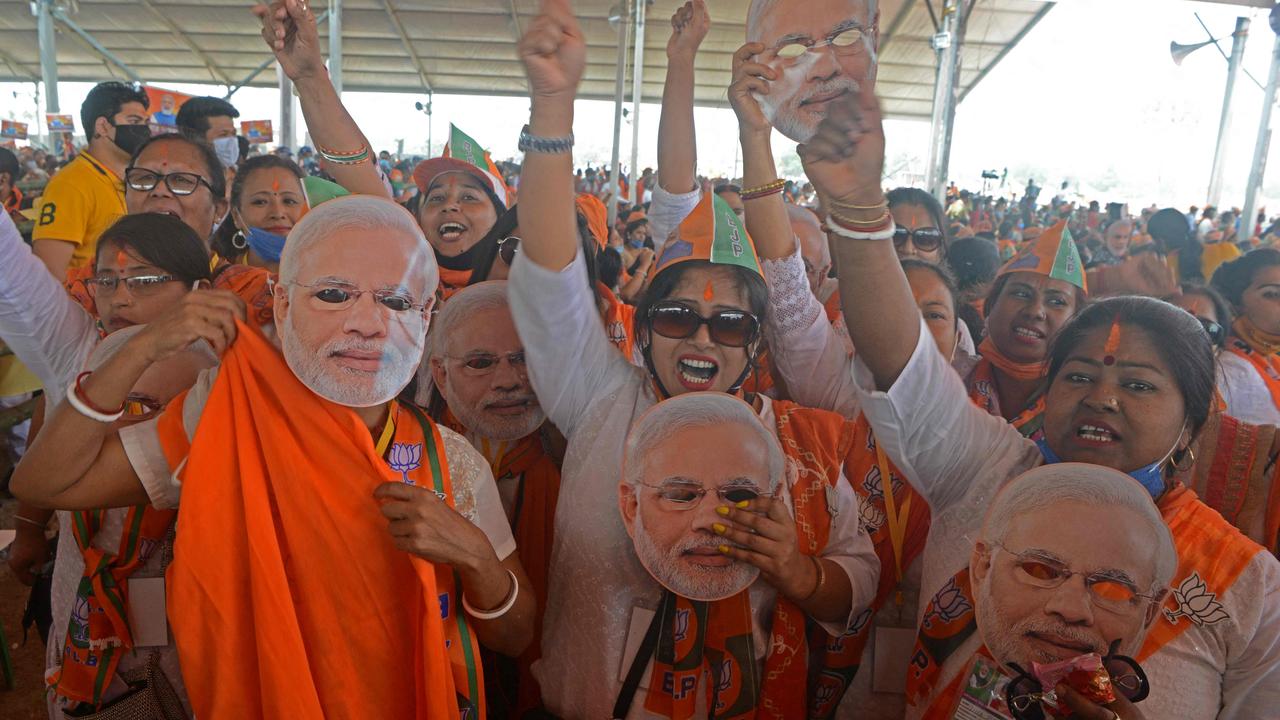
(920, 225)
(697, 327)
(1252, 285)
(1130, 385)
(144, 265)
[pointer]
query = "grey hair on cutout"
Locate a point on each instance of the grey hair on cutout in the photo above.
(489, 295)
(759, 7)
(1089, 485)
(355, 212)
(683, 413)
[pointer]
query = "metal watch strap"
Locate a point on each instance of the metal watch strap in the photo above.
(550, 146)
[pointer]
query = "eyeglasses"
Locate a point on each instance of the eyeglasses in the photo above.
(179, 183)
(925, 239)
(847, 41)
(1106, 591)
(485, 363)
(732, 328)
(331, 296)
(1024, 694)
(686, 495)
(141, 285)
(507, 249)
(1217, 333)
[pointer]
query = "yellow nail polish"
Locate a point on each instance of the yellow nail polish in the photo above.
(724, 549)
(723, 510)
(743, 505)
(718, 528)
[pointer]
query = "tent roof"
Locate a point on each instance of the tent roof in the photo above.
(468, 46)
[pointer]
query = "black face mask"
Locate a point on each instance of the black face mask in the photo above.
(131, 137)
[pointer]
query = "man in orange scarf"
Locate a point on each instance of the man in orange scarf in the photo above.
(479, 387)
(328, 531)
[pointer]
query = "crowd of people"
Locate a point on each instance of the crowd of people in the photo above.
(350, 435)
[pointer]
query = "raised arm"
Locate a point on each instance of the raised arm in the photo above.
(844, 161)
(554, 54)
(677, 147)
(767, 216)
(79, 463)
(289, 28)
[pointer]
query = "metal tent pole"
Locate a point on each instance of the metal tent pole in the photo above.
(637, 91)
(947, 44)
(335, 44)
(620, 83)
(1258, 169)
(1238, 39)
(286, 136)
(48, 55)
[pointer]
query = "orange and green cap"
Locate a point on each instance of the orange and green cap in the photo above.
(462, 154)
(317, 190)
(1052, 254)
(712, 233)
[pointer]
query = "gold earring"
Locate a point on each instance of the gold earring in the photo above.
(1186, 453)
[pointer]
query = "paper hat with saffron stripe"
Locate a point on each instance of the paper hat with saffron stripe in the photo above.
(461, 154)
(1053, 255)
(712, 233)
(317, 190)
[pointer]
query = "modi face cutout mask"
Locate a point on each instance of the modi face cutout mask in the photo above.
(685, 458)
(821, 51)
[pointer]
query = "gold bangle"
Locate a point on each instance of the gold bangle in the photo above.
(822, 578)
(847, 206)
(873, 224)
(762, 189)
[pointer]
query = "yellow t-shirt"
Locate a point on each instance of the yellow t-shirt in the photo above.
(1214, 255)
(15, 378)
(79, 202)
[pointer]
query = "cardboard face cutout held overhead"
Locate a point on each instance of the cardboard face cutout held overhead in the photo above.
(821, 49)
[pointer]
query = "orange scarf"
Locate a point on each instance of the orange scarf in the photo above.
(1014, 369)
(451, 281)
(864, 467)
(982, 392)
(286, 595)
(1262, 350)
(715, 639)
(93, 646)
(534, 529)
(1211, 556)
(619, 321)
(1234, 475)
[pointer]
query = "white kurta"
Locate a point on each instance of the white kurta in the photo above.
(596, 582)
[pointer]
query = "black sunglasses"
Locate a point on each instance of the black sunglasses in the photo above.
(1217, 333)
(507, 249)
(731, 328)
(925, 239)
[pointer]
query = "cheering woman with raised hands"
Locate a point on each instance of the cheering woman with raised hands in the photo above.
(697, 326)
(1130, 383)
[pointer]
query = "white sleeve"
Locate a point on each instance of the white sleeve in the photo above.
(934, 434)
(466, 465)
(146, 454)
(1251, 684)
(1245, 392)
(851, 548)
(667, 211)
(811, 356)
(570, 359)
(48, 331)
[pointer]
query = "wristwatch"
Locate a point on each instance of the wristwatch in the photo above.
(548, 146)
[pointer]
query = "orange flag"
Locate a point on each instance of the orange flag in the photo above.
(286, 595)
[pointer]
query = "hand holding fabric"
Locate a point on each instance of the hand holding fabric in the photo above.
(208, 315)
(424, 525)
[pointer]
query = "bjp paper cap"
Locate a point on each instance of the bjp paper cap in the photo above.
(318, 191)
(464, 155)
(712, 233)
(597, 217)
(1052, 254)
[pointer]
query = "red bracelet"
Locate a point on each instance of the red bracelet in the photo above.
(89, 403)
